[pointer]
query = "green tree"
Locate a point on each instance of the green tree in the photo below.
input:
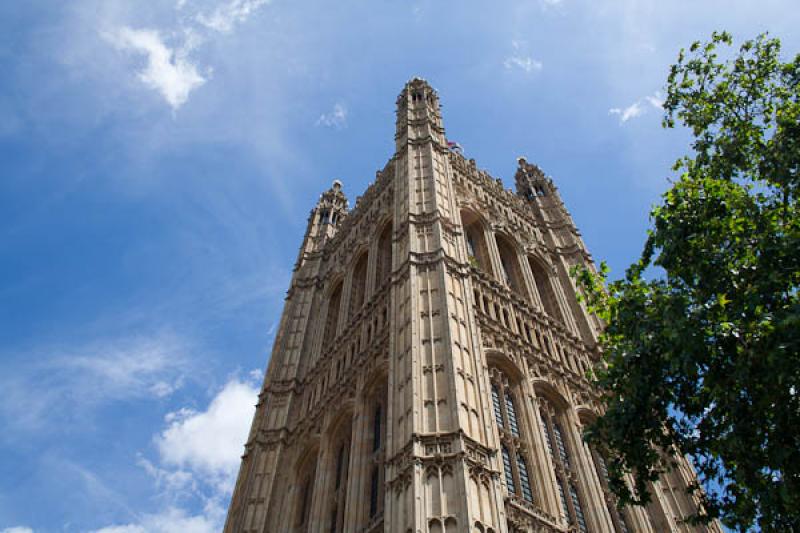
(701, 355)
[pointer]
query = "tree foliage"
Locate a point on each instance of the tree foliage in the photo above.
(704, 357)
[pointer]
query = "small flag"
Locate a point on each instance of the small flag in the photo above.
(455, 147)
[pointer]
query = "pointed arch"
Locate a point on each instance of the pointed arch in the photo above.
(507, 401)
(477, 248)
(544, 287)
(332, 316)
(306, 471)
(375, 400)
(358, 284)
(383, 268)
(339, 439)
(555, 425)
(510, 264)
(619, 517)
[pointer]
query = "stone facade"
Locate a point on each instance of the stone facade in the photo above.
(428, 371)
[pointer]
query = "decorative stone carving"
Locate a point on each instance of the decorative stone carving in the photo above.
(406, 364)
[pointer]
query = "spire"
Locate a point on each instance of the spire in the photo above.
(419, 115)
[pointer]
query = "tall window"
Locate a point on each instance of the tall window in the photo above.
(544, 287)
(374, 480)
(376, 429)
(358, 287)
(618, 516)
(566, 475)
(377, 456)
(384, 269)
(304, 497)
(339, 494)
(512, 275)
(513, 446)
(332, 320)
(477, 251)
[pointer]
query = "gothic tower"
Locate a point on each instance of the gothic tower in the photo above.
(428, 375)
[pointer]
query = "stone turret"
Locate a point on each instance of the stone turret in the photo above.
(429, 370)
(324, 221)
(419, 115)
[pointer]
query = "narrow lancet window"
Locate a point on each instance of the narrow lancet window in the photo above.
(513, 445)
(565, 473)
(376, 429)
(508, 471)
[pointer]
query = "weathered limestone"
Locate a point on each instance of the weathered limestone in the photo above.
(428, 372)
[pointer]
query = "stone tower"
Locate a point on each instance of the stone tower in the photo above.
(428, 371)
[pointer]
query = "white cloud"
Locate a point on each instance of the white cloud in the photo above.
(199, 455)
(17, 529)
(521, 60)
(337, 118)
(638, 108)
(225, 16)
(210, 442)
(168, 70)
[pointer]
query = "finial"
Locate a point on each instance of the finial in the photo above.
(337, 185)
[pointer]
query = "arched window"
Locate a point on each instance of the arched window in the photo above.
(376, 429)
(384, 263)
(332, 320)
(618, 516)
(545, 289)
(374, 468)
(513, 445)
(374, 480)
(302, 513)
(565, 472)
(358, 287)
(477, 251)
(338, 493)
(512, 274)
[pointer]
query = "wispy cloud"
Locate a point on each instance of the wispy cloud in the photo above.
(170, 68)
(225, 16)
(17, 529)
(520, 59)
(336, 118)
(68, 384)
(632, 111)
(638, 108)
(171, 520)
(656, 100)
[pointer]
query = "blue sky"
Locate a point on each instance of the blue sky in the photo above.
(158, 162)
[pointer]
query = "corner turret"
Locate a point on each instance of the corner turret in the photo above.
(419, 115)
(324, 220)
